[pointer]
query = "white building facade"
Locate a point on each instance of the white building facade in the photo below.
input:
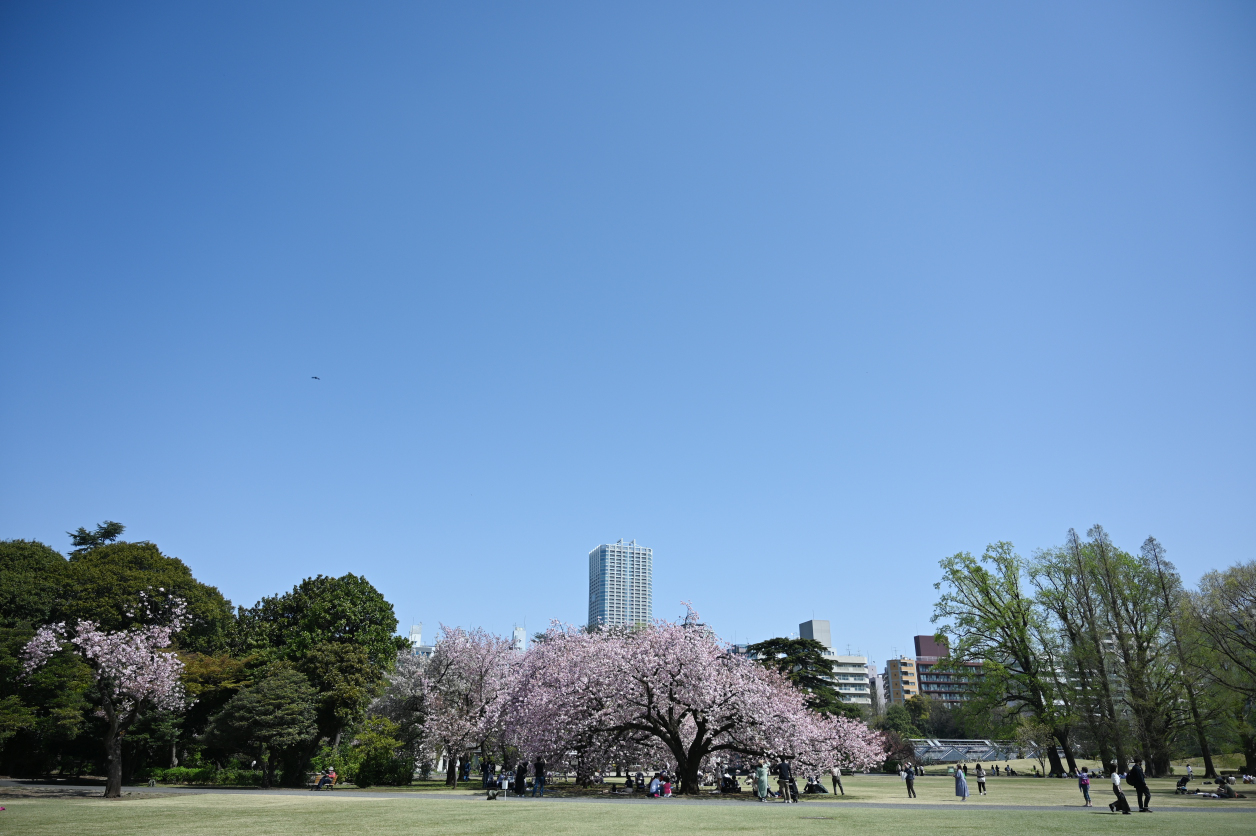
(850, 672)
(621, 585)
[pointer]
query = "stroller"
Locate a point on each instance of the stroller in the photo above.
(793, 789)
(1180, 788)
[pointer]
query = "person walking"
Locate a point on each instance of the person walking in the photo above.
(1083, 784)
(761, 781)
(961, 784)
(909, 774)
(538, 778)
(981, 780)
(1190, 772)
(783, 775)
(1121, 802)
(836, 772)
(1139, 782)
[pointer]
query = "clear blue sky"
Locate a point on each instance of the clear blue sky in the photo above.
(802, 296)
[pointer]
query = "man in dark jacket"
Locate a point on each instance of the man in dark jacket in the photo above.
(538, 778)
(1139, 782)
(783, 776)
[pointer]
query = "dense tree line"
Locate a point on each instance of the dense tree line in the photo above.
(115, 660)
(280, 685)
(1103, 652)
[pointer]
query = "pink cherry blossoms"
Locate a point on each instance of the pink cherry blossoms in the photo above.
(133, 671)
(465, 684)
(673, 694)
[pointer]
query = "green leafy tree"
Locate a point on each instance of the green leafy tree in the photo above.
(103, 584)
(43, 712)
(919, 707)
(1068, 590)
(32, 581)
(346, 680)
(802, 662)
(323, 610)
(380, 759)
(898, 720)
(990, 618)
(271, 719)
(1219, 638)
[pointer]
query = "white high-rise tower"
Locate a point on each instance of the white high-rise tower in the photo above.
(621, 585)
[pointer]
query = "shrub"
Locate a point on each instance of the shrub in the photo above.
(231, 776)
(380, 760)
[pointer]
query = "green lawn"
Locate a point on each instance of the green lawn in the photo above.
(347, 812)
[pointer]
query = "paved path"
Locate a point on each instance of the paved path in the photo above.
(819, 810)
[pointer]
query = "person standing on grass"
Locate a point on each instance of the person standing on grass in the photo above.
(909, 774)
(761, 781)
(1083, 784)
(836, 772)
(961, 784)
(521, 778)
(1139, 782)
(1190, 772)
(538, 778)
(981, 780)
(783, 774)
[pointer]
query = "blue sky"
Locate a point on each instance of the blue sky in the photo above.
(803, 296)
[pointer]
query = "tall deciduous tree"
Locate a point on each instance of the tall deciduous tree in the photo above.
(468, 679)
(134, 669)
(671, 692)
(1222, 639)
(1137, 621)
(1172, 597)
(985, 608)
(1065, 580)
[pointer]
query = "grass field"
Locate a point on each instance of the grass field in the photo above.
(259, 813)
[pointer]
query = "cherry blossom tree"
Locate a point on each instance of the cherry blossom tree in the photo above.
(673, 694)
(133, 669)
(466, 683)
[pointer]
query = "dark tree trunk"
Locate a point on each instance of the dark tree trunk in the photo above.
(1248, 742)
(272, 761)
(451, 772)
(688, 771)
(1062, 737)
(1053, 757)
(113, 757)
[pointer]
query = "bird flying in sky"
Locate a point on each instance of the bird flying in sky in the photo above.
(312, 377)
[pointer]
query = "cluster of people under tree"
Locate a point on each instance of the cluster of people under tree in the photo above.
(660, 785)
